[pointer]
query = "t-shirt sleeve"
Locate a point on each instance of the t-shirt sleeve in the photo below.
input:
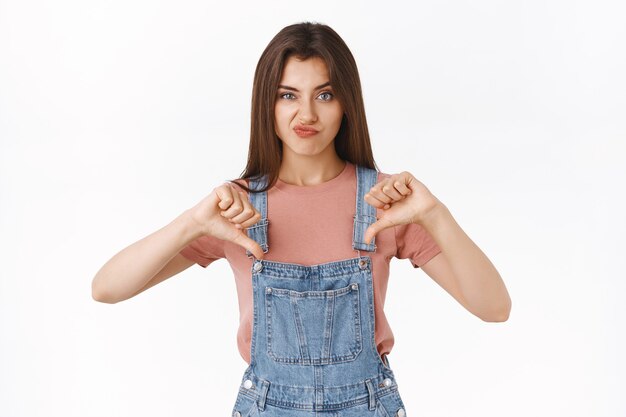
(204, 250)
(416, 244)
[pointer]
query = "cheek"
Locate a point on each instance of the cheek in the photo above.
(334, 116)
(278, 117)
(281, 114)
(282, 122)
(334, 111)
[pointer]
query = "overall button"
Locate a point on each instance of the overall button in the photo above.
(401, 413)
(257, 266)
(247, 384)
(237, 414)
(362, 264)
(387, 382)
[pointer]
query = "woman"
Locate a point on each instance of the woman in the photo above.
(313, 329)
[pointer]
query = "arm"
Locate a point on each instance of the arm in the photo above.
(224, 214)
(147, 262)
(463, 270)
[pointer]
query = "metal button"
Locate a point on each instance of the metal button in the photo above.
(354, 286)
(387, 382)
(401, 413)
(247, 384)
(268, 290)
(237, 414)
(257, 266)
(362, 264)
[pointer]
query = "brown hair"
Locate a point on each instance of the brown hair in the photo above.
(305, 40)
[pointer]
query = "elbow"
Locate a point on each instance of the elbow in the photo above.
(99, 295)
(498, 316)
(102, 298)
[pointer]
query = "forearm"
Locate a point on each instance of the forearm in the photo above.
(131, 268)
(479, 281)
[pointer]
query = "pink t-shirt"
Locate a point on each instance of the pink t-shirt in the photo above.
(312, 225)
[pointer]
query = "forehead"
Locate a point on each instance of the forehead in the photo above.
(310, 72)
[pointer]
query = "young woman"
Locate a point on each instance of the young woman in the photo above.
(309, 230)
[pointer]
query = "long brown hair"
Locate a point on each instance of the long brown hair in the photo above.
(305, 40)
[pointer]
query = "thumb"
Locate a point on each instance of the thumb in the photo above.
(375, 228)
(250, 244)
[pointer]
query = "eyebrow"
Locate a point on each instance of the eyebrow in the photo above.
(286, 87)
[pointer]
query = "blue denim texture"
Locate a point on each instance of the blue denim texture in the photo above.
(313, 350)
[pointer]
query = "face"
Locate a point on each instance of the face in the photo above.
(305, 99)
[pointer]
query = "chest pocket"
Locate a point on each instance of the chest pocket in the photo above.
(313, 327)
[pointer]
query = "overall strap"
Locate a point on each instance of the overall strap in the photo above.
(258, 231)
(365, 215)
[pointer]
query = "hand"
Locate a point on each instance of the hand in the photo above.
(225, 213)
(404, 200)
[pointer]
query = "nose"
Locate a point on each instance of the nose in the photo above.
(307, 113)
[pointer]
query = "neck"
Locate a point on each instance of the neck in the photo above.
(310, 171)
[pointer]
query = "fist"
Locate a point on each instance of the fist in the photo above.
(225, 213)
(404, 200)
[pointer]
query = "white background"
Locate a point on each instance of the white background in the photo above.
(116, 116)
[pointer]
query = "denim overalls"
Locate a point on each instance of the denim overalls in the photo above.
(313, 351)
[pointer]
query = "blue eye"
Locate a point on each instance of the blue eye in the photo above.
(283, 95)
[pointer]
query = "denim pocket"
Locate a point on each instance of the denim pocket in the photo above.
(313, 327)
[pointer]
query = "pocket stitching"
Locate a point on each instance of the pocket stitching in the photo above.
(331, 358)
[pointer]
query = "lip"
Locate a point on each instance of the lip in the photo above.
(305, 128)
(305, 131)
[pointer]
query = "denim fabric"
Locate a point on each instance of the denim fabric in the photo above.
(313, 350)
